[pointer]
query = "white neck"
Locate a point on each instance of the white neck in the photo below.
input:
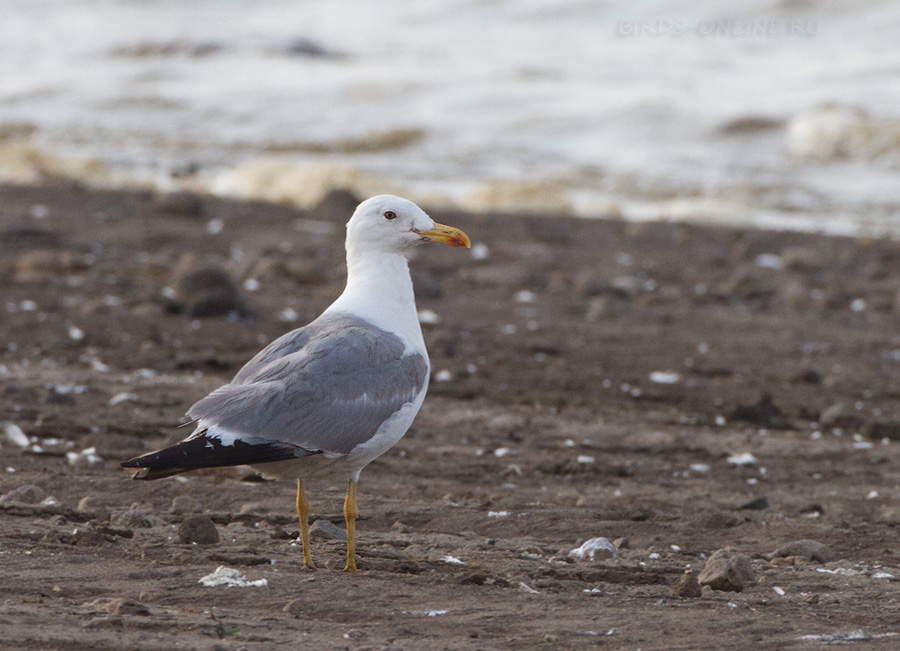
(379, 289)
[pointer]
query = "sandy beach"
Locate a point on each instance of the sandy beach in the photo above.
(677, 389)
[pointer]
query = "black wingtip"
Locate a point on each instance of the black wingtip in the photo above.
(205, 452)
(145, 473)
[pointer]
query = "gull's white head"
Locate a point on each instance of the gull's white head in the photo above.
(388, 224)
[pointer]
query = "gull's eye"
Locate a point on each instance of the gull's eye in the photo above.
(390, 214)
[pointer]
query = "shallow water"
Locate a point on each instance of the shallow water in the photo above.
(703, 111)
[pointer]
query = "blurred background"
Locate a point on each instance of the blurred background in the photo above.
(768, 113)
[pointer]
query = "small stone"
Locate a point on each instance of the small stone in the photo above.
(208, 291)
(217, 303)
(179, 203)
(607, 306)
(105, 622)
(27, 494)
(89, 537)
(337, 203)
(415, 552)
(839, 415)
(721, 521)
(198, 529)
(44, 264)
(90, 504)
(756, 505)
(185, 504)
(133, 519)
(786, 561)
(325, 530)
(884, 430)
(764, 413)
(727, 571)
(622, 543)
(55, 397)
(125, 606)
(687, 587)
(811, 550)
(399, 527)
(253, 507)
(277, 533)
(798, 258)
(748, 283)
(808, 376)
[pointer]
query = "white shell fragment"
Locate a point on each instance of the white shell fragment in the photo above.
(428, 317)
(742, 459)
(480, 251)
(231, 578)
(87, 456)
(124, 396)
(426, 613)
(15, 435)
(524, 296)
(769, 261)
(592, 546)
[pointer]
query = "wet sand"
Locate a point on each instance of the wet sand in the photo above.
(590, 378)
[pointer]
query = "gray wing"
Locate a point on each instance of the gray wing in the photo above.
(327, 387)
(286, 344)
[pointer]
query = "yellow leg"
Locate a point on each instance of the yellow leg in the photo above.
(350, 513)
(303, 514)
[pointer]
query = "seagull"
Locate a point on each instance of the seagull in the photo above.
(326, 399)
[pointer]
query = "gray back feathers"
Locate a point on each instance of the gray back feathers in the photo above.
(325, 387)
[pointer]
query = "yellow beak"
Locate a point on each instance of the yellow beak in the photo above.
(445, 235)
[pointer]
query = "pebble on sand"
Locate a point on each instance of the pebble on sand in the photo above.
(727, 571)
(325, 530)
(756, 504)
(811, 550)
(198, 529)
(134, 519)
(207, 291)
(117, 606)
(184, 504)
(27, 494)
(687, 587)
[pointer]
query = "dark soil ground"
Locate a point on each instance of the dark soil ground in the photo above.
(590, 378)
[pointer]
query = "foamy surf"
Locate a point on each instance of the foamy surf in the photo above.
(774, 116)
